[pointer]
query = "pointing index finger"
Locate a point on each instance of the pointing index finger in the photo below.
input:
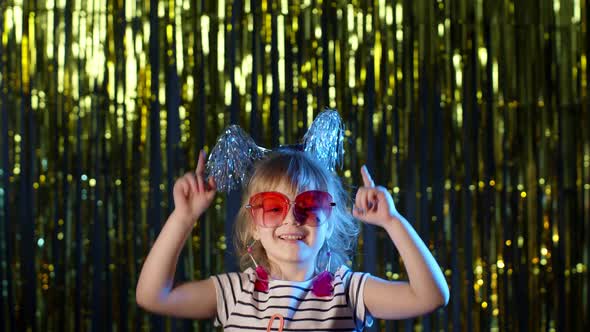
(201, 163)
(367, 180)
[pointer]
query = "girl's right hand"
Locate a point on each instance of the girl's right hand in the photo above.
(192, 194)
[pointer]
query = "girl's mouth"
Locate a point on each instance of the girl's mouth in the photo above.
(292, 237)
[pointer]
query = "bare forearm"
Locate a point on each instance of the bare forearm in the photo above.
(157, 274)
(425, 276)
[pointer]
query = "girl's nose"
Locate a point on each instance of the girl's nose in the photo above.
(290, 218)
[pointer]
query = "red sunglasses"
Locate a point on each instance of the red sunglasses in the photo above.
(270, 208)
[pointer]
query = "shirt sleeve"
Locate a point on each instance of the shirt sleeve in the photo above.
(227, 289)
(355, 282)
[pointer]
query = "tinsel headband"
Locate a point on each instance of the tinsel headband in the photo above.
(232, 158)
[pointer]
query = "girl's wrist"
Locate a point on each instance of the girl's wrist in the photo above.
(183, 218)
(394, 219)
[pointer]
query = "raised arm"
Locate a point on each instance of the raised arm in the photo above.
(155, 292)
(426, 289)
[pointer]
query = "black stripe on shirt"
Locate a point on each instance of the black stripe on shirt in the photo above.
(223, 295)
(296, 319)
(344, 274)
(242, 327)
(297, 298)
(356, 297)
(365, 312)
(292, 308)
(231, 286)
(347, 289)
(240, 280)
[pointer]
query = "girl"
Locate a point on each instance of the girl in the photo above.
(294, 231)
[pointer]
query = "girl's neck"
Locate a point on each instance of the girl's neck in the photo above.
(292, 272)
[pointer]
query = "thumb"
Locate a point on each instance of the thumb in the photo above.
(184, 189)
(212, 184)
(358, 212)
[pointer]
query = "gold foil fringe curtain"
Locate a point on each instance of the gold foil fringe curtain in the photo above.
(473, 113)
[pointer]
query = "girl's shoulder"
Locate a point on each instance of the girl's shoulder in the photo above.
(345, 273)
(235, 282)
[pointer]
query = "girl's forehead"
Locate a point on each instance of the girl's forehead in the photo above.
(283, 187)
(286, 182)
(287, 188)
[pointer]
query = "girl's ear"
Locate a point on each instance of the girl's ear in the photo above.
(255, 233)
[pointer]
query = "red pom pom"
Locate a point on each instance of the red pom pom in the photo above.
(322, 284)
(261, 283)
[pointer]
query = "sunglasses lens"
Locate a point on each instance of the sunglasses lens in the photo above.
(312, 207)
(269, 209)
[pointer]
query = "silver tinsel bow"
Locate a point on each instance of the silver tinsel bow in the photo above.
(325, 138)
(233, 156)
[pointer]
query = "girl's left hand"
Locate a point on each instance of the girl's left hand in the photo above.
(373, 204)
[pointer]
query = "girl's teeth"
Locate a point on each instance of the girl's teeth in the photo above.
(291, 237)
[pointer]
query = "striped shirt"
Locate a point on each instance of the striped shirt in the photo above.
(242, 308)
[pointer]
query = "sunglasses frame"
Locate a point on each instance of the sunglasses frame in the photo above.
(291, 205)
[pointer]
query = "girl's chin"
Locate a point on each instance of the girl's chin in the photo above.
(295, 242)
(293, 251)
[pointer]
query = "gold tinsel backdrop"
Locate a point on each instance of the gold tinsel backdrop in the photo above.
(473, 113)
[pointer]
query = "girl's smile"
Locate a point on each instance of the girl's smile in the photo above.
(292, 237)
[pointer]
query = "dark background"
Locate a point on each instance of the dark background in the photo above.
(473, 113)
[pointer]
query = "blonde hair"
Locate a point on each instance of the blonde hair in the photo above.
(299, 172)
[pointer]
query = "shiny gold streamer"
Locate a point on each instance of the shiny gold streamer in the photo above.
(509, 80)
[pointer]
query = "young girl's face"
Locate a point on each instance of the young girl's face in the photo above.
(292, 242)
